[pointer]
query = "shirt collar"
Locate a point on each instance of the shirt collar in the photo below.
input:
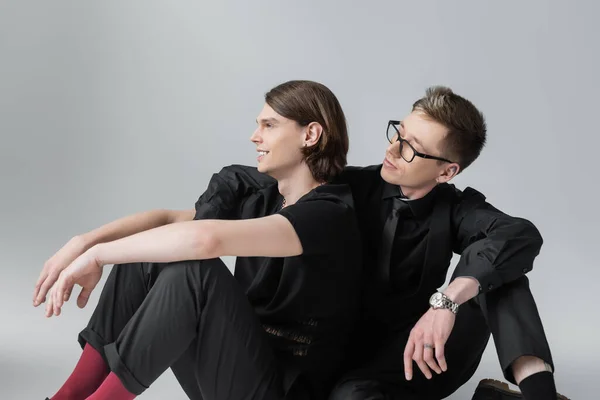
(419, 207)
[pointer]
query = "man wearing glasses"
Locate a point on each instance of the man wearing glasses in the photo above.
(414, 342)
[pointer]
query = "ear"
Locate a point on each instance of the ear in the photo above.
(448, 172)
(313, 134)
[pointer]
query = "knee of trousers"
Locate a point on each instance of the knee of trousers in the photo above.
(356, 390)
(194, 272)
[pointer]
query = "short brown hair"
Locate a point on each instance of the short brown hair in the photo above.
(466, 125)
(306, 102)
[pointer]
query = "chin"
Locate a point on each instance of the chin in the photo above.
(262, 167)
(265, 170)
(390, 177)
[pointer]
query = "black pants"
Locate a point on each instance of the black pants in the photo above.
(509, 313)
(190, 316)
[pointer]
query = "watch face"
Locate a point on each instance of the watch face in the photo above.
(436, 299)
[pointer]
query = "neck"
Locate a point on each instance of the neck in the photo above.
(414, 193)
(296, 184)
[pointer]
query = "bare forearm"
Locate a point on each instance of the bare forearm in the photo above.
(272, 236)
(462, 289)
(133, 224)
(167, 243)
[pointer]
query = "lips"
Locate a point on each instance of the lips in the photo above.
(261, 154)
(388, 164)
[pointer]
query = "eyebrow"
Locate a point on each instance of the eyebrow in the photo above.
(414, 139)
(267, 120)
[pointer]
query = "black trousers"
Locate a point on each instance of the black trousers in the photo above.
(192, 317)
(509, 313)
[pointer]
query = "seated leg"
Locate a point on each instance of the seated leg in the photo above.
(197, 306)
(384, 372)
(521, 344)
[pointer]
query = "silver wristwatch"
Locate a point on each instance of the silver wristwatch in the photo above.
(440, 300)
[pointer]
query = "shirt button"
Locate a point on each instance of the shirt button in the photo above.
(490, 286)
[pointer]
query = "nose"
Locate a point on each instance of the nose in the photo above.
(393, 148)
(256, 137)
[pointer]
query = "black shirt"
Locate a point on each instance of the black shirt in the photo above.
(495, 247)
(307, 303)
(410, 242)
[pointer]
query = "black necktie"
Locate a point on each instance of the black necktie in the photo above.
(387, 239)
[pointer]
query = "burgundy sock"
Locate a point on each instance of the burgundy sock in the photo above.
(89, 373)
(113, 389)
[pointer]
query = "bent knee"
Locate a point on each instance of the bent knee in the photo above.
(194, 271)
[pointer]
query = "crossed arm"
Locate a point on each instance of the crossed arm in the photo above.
(271, 236)
(120, 228)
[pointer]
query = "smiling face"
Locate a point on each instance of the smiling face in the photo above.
(421, 174)
(278, 141)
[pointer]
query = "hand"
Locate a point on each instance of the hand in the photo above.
(53, 267)
(86, 272)
(432, 329)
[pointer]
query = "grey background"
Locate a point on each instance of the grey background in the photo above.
(113, 107)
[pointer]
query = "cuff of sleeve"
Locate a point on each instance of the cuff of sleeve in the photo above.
(478, 267)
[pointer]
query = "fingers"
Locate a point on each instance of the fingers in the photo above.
(83, 298)
(418, 357)
(62, 286)
(424, 350)
(428, 355)
(38, 285)
(47, 283)
(54, 265)
(439, 354)
(54, 297)
(57, 295)
(68, 294)
(50, 306)
(408, 353)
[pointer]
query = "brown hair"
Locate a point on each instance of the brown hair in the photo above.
(306, 102)
(466, 125)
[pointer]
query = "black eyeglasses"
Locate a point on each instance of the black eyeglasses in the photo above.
(405, 150)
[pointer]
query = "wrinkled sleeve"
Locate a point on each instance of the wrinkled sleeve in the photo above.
(217, 201)
(495, 248)
(227, 189)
